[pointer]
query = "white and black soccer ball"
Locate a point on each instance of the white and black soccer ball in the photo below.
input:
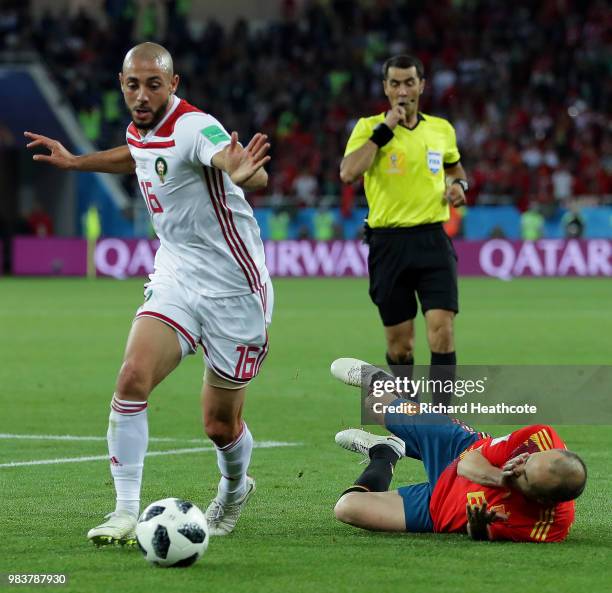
(172, 532)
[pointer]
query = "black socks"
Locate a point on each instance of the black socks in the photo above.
(403, 369)
(443, 368)
(377, 476)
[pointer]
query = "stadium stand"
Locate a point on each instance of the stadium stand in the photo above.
(527, 86)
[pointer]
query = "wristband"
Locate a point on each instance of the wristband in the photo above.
(381, 135)
(463, 183)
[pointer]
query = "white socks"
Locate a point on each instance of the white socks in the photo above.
(233, 461)
(127, 436)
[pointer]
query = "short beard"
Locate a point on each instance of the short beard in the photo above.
(157, 117)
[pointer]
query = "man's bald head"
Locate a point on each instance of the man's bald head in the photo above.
(149, 52)
(148, 83)
(571, 471)
(557, 475)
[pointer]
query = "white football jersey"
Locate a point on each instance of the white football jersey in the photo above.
(209, 238)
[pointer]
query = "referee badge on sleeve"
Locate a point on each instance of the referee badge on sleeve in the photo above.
(434, 161)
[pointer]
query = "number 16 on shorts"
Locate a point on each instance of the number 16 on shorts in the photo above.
(249, 360)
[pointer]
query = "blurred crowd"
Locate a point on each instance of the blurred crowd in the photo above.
(527, 85)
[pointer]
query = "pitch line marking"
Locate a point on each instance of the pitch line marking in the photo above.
(70, 437)
(256, 445)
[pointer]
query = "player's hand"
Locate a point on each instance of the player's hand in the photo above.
(479, 519)
(395, 115)
(60, 157)
(479, 515)
(454, 195)
(243, 163)
(515, 467)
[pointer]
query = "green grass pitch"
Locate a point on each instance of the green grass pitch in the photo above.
(60, 348)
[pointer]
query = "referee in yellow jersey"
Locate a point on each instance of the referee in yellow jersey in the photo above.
(411, 169)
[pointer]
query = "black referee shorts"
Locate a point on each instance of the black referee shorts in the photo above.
(408, 262)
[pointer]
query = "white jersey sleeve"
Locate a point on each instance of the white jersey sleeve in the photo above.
(209, 238)
(199, 137)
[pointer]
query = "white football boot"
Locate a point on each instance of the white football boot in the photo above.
(351, 371)
(360, 441)
(222, 518)
(118, 529)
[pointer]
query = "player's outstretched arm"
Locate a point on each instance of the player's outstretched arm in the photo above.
(245, 166)
(116, 160)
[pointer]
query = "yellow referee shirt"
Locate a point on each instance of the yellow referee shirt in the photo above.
(405, 185)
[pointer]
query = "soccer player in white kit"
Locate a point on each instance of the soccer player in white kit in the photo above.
(210, 286)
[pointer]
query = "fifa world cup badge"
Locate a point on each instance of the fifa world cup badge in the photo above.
(161, 168)
(396, 163)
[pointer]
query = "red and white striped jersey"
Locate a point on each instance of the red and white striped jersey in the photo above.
(209, 239)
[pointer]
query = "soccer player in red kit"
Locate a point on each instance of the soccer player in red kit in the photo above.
(519, 487)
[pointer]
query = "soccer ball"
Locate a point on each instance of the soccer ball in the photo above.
(172, 532)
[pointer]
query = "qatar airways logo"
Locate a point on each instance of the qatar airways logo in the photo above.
(124, 258)
(546, 257)
(499, 258)
(317, 258)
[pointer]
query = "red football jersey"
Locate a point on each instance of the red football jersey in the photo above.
(527, 520)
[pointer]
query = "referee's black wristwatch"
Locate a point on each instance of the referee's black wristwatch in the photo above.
(463, 183)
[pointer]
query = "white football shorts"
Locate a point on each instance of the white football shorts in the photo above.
(231, 330)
